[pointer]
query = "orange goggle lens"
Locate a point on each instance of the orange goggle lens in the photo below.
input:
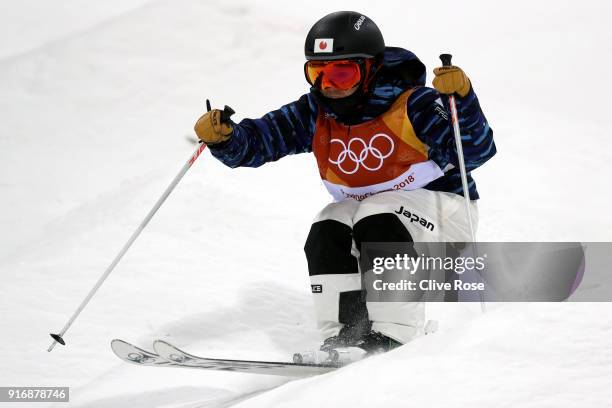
(341, 74)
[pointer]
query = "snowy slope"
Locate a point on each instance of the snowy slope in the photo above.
(94, 114)
(34, 24)
(534, 355)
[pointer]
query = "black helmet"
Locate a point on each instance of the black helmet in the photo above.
(344, 34)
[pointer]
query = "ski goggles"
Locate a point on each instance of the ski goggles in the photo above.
(338, 74)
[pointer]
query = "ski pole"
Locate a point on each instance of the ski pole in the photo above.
(446, 61)
(58, 338)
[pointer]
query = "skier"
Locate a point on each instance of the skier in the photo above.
(384, 145)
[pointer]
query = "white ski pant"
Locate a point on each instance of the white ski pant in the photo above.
(332, 250)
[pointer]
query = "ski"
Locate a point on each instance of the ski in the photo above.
(167, 355)
(135, 355)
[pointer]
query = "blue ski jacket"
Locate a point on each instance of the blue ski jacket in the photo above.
(290, 129)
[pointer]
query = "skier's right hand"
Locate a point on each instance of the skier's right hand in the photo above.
(211, 129)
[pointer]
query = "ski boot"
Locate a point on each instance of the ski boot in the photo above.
(351, 344)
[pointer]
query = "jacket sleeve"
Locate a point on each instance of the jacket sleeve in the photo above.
(429, 113)
(288, 130)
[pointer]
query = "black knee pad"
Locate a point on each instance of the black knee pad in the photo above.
(383, 227)
(328, 249)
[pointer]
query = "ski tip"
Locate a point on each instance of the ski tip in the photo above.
(116, 345)
(164, 348)
(162, 343)
(57, 338)
(120, 347)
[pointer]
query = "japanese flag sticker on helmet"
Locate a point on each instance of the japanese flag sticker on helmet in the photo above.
(324, 45)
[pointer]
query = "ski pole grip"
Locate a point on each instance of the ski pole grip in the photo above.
(446, 60)
(227, 112)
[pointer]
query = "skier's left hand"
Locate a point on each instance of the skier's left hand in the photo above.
(450, 80)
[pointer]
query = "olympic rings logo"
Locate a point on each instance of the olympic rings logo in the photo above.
(358, 160)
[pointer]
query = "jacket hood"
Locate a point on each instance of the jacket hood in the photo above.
(401, 64)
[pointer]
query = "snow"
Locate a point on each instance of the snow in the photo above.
(97, 101)
(509, 357)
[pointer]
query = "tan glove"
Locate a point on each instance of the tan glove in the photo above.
(211, 130)
(450, 80)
